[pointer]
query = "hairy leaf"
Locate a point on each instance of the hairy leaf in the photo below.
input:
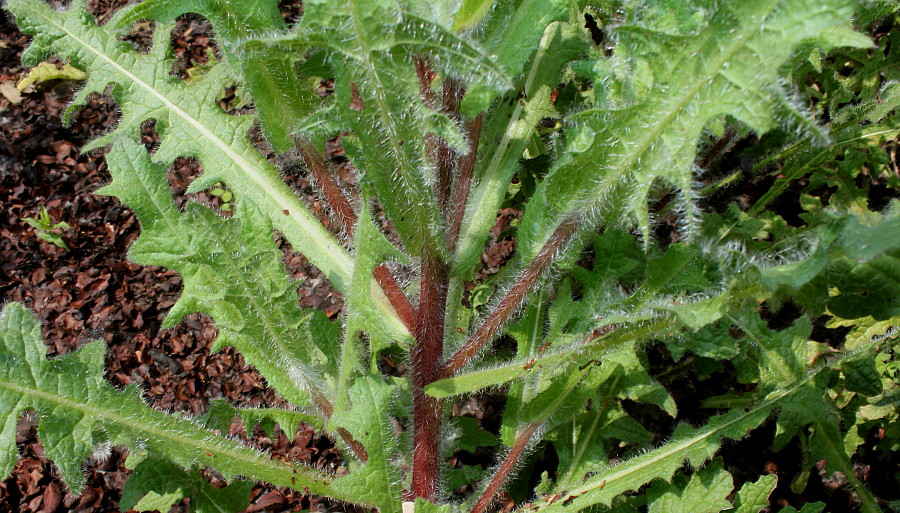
(753, 497)
(377, 481)
(239, 279)
(706, 492)
(724, 62)
(268, 75)
(72, 400)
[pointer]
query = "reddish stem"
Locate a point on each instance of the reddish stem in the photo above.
(355, 445)
(328, 410)
(347, 217)
(426, 358)
(716, 149)
(444, 155)
(513, 299)
(503, 472)
(460, 193)
(425, 74)
(441, 155)
(339, 204)
(396, 297)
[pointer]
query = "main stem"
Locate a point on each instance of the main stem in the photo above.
(428, 351)
(426, 360)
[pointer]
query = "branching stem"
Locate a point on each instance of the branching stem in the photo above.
(330, 187)
(513, 299)
(505, 468)
(460, 195)
(346, 216)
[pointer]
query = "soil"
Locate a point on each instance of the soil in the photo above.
(93, 292)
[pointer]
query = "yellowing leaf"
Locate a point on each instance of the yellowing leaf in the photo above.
(47, 71)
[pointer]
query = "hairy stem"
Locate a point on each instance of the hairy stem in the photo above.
(396, 296)
(444, 155)
(425, 74)
(330, 187)
(440, 154)
(327, 409)
(429, 345)
(513, 298)
(460, 194)
(347, 218)
(426, 358)
(505, 469)
(716, 149)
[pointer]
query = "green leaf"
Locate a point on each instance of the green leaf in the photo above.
(513, 31)
(706, 492)
(617, 256)
(724, 62)
(471, 436)
(506, 134)
(864, 243)
(470, 13)
(500, 374)
(239, 279)
(753, 497)
(867, 289)
(220, 414)
(372, 249)
(268, 74)
(662, 271)
(827, 443)
(809, 507)
(424, 506)
(79, 410)
(377, 481)
(862, 376)
(694, 444)
(583, 442)
(714, 341)
(158, 485)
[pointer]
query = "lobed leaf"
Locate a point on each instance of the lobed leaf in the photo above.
(377, 481)
(79, 410)
(753, 497)
(706, 492)
(279, 99)
(661, 90)
(159, 485)
(232, 270)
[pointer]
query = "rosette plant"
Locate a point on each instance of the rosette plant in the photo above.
(601, 122)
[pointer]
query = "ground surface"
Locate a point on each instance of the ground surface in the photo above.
(92, 291)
